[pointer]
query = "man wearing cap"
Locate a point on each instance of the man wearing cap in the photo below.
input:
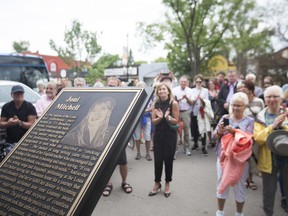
(17, 116)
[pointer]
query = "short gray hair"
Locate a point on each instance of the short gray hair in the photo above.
(81, 80)
(141, 84)
(250, 76)
(240, 96)
(274, 88)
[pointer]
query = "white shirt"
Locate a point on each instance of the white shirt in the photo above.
(178, 92)
(202, 93)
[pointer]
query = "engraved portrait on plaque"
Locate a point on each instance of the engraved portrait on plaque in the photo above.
(94, 130)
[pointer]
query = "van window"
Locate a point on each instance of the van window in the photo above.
(26, 69)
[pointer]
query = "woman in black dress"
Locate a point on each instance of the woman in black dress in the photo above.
(164, 112)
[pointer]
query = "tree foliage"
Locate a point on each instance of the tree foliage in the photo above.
(97, 69)
(194, 31)
(80, 44)
(21, 46)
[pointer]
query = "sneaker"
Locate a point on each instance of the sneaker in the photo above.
(204, 151)
(194, 148)
(220, 213)
(138, 156)
(187, 152)
(148, 157)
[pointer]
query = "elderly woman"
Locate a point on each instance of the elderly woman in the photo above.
(46, 100)
(238, 120)
(270, 164)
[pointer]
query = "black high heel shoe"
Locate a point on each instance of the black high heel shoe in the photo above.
(152, 193)
(167, 194)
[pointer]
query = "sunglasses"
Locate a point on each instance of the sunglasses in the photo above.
(198, 81)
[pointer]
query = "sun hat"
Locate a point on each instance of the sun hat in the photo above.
(277, 142)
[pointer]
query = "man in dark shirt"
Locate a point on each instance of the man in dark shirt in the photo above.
(226, 92)
(17, 116)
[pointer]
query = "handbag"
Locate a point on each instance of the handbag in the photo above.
(172, 126)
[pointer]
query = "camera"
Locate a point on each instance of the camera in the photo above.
(165, 74)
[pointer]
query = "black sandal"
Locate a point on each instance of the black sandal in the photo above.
(126, 187)
(107, 191)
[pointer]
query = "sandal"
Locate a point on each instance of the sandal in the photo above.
(252, 185)
(126, 187)
(107, 191)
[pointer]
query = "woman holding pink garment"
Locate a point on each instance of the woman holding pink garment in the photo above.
(230, 132)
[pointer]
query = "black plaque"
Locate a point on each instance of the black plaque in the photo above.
(62, 164)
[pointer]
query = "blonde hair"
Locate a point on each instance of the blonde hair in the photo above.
(171, 96)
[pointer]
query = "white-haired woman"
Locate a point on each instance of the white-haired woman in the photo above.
(270, 164)
(238, 120)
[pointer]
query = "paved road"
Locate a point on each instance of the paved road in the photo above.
(192, 191)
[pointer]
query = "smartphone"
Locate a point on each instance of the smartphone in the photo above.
(226, 121)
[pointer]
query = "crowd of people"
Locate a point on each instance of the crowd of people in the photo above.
(245, 123)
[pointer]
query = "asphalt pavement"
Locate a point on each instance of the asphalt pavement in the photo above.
(192, 190)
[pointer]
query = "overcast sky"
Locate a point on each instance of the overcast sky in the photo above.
(39, 21)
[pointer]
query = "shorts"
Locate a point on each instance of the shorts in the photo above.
(122, 160)
(146, 130)
(239, 189)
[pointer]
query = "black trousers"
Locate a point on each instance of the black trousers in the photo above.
(195, 131)
(164, 150)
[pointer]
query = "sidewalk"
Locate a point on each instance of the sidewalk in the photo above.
(192, 190)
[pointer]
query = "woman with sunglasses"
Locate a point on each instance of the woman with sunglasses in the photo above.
(198, 94)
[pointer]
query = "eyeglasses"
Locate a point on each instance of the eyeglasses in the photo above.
(272, 96)
(198, 81)
(237, 105)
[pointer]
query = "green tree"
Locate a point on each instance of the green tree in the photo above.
(193, 31)
(80, 44)
(97, 69)
(245, 39)
(21, 46)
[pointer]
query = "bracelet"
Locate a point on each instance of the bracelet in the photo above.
(168, 118)
(219, 133)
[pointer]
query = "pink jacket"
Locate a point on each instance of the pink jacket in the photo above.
(236, 150)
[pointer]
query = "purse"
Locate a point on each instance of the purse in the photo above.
(172, 126)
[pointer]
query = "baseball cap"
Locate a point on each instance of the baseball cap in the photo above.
(17, 88)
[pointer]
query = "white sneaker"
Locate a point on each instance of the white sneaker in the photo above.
(187, 152)
(220, 213)
(239, 214)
